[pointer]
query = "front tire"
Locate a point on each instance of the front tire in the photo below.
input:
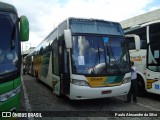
(141, 86)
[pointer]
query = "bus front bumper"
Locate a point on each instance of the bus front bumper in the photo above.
(86, 92)
(11, 104)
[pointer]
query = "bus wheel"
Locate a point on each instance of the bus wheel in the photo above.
(141, 86)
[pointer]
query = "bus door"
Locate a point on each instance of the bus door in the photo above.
(64, 70)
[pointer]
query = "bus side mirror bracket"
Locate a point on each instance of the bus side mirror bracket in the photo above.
(68, 38)
(136, 40)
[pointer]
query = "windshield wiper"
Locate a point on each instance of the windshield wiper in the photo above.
(12, 37)
(114, 59)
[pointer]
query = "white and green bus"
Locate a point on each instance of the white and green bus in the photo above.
(147, 59)
(84, 59)
(12, 30)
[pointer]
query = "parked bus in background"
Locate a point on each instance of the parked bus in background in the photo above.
(147, 59)
(12, 30)
(84, 59)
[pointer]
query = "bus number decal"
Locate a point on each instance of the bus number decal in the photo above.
(96, 81)
(149, 83)
(157, 87)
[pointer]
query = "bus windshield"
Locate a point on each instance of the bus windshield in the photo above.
(8, 43)
(154, 49)
(99, 55)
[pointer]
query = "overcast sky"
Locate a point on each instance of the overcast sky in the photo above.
(44, 15)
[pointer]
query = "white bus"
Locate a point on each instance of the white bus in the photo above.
(84, 59)
(147, 59)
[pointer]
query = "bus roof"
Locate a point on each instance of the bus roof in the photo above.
(7, 7)
(89, 19)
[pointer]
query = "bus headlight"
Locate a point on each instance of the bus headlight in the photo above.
(9, 94)
(79, 82)
(126, 80)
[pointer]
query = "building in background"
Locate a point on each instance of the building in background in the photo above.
(26, 52)
(141, 19)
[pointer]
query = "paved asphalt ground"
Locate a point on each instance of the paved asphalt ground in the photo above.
(37, 97)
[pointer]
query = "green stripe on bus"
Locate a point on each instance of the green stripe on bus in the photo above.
(8, 86)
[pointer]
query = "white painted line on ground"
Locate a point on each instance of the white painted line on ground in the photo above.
(140, 104)
(26, 99)
(154, 109)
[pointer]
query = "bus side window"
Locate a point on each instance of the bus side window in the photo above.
(66, 61)
(143, 44)
(55, 61)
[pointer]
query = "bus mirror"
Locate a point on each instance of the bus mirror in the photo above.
(136, 39)
(24, 29)
(68, 38)
(137, 42)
